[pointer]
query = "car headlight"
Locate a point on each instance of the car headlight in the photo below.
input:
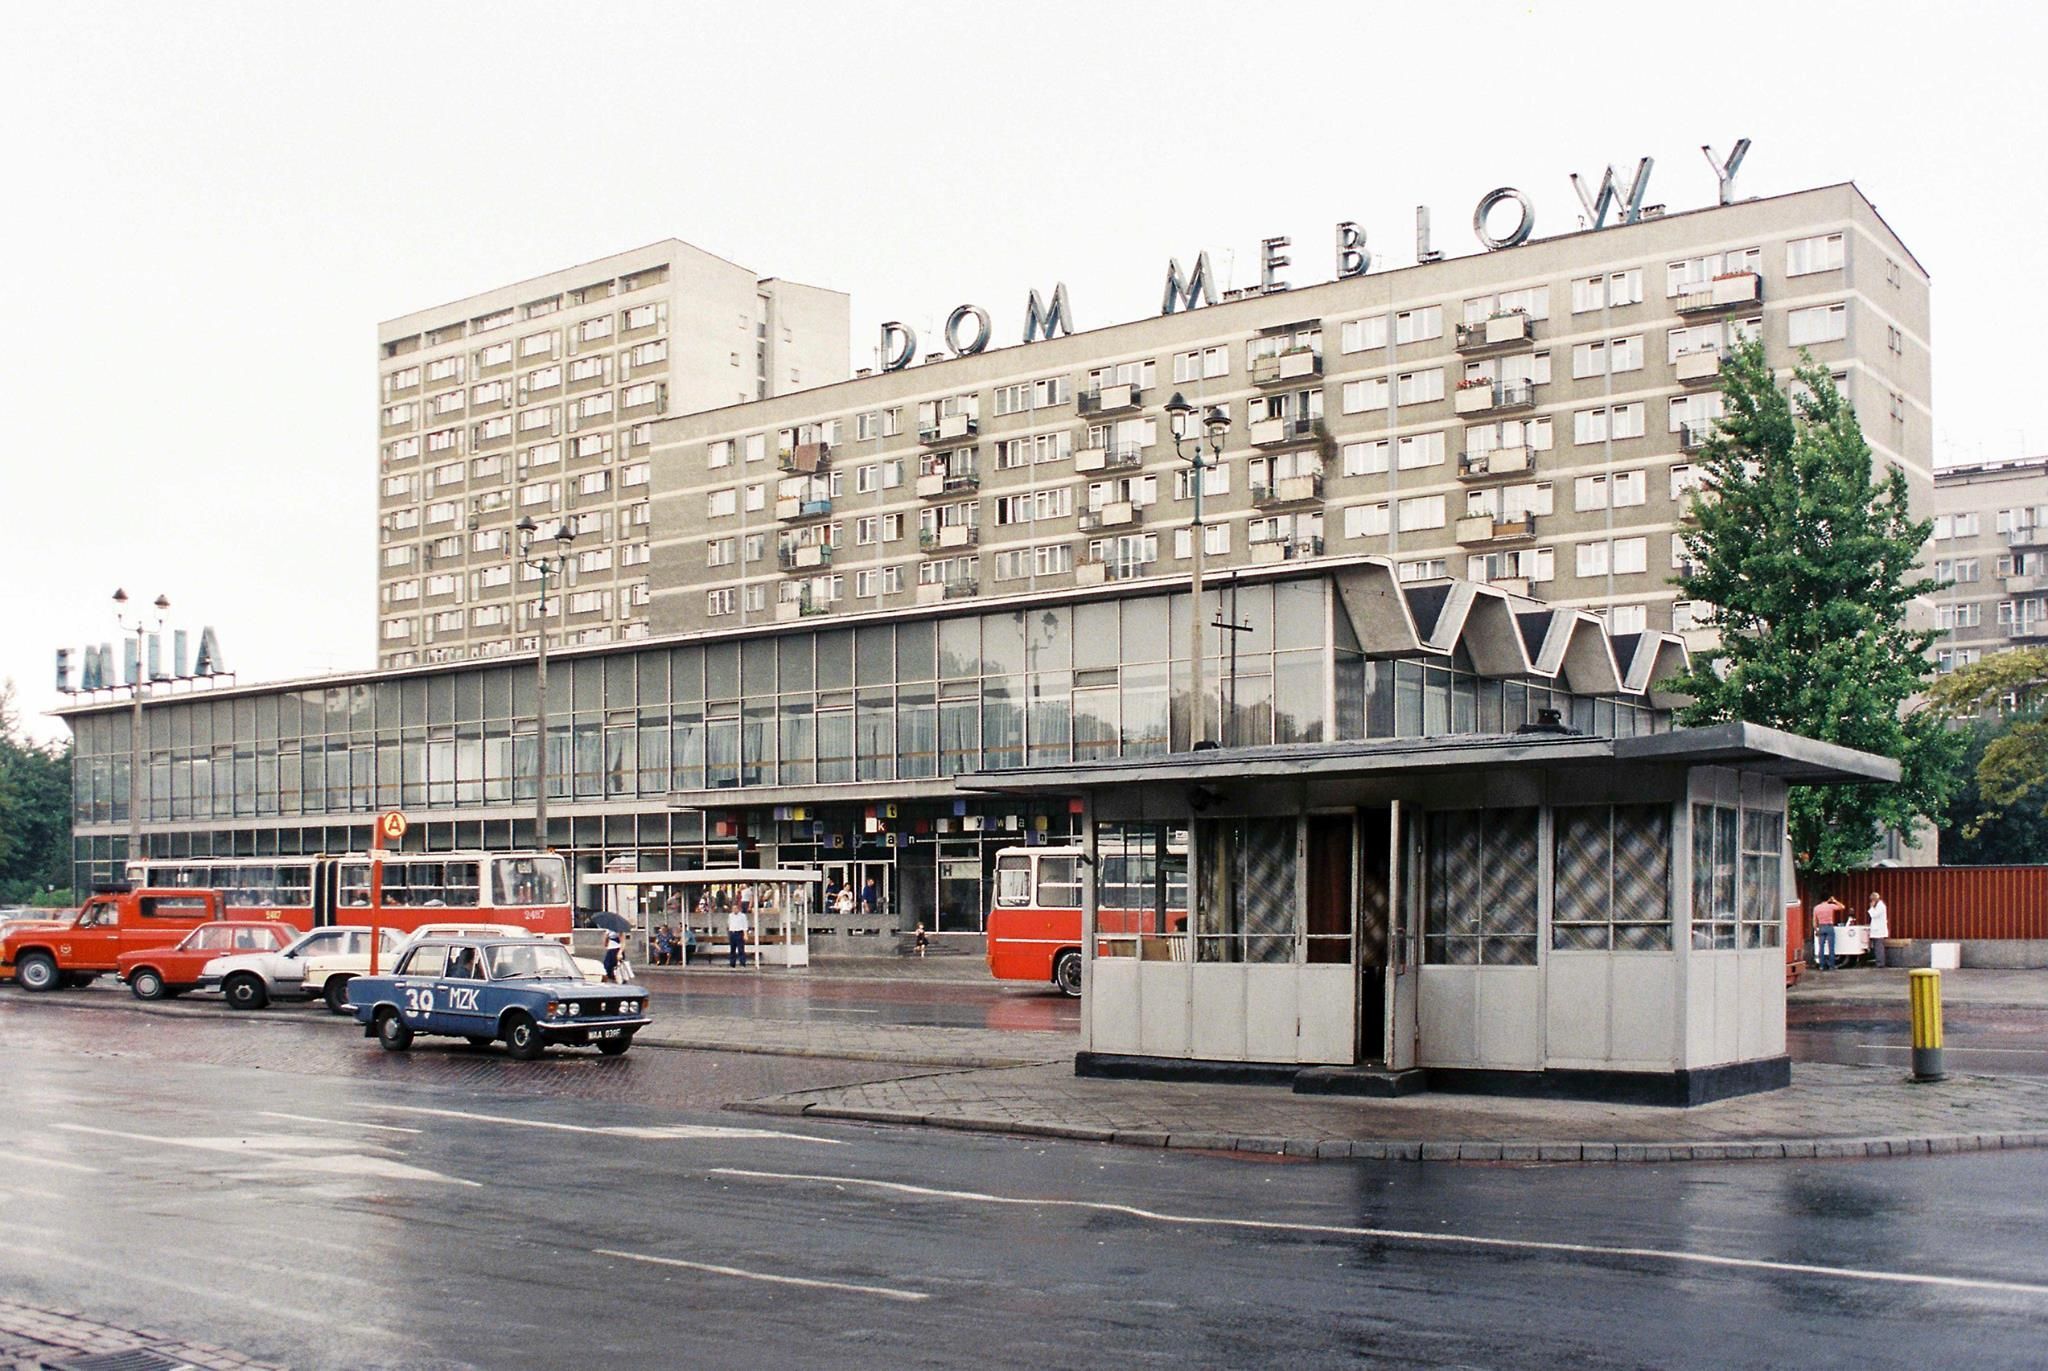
(574, 1009)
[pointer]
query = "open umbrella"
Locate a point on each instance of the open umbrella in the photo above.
(618, 923)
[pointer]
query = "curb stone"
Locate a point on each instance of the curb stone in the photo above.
(1340, 1149)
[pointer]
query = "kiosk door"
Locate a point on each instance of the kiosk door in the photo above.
(1375, 910)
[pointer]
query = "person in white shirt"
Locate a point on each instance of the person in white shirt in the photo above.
(736, 931)
(1880, 928)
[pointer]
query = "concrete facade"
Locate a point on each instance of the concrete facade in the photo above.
(1051, 464)
(1991, 542)
(539, 399)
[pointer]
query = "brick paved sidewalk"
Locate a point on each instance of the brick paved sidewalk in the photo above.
(32, 1338)
(1828, 1111)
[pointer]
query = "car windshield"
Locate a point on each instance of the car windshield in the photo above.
(535, 961)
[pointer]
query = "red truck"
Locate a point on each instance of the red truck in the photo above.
(74, 951)
(158, 973)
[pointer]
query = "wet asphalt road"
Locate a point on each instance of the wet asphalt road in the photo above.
(277, 1184)
(772, 994)
(1990, 1040)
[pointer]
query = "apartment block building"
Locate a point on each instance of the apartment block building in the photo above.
(1991, 544)
(1521, 418)
(539, 399)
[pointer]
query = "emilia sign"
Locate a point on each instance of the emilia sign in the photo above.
(144, 661)
(1503, 218)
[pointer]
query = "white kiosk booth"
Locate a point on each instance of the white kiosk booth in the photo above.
(778, 901)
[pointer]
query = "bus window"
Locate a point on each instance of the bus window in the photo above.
(1013, 881)
(529, 880)
(353, 886)
(1059, 887)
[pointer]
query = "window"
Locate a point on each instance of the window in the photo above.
(724, 600)
(398, 556)
(1697, 273)
(1416, 387)
(1613, 891)
(643, 316)
(1510, 502)
(1421, 450)
(1420, 512)
(1365, 521)
(1508, 433)
(1419, 325)
(1140, 374)
(590, 330)
(398, 414)
(1618, 422)
(1685, 478)
(1205, 364)
(1215, 481)
(398, 592)
(646, 393)
(1612, 354)
(540, 344)
(1959, 616)
(492, 429)
(1695, 410)
(445, 369)
(1533, 301)
(496, 355)
(1422, 569)
(441, 439)
(1364, 335)
(1364, 459)
(594, 482)
(1738, 899)
(1044, 447)
(1804, 256)
(1592, 559)
(1215, 541)
(1362, 396)
(1820, 324)
(1618, 490)
(1028, 395)
(720, 504)
(1480, 887)
(593, 405)
(1608, 292)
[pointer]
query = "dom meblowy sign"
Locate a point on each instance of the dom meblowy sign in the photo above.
(968, 328)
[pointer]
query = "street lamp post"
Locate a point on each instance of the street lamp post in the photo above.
(547, 565)
(139, 626)
(1194, 448)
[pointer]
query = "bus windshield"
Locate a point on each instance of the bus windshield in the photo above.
(529, 880)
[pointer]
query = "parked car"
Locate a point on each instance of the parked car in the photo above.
(159, 973)
(251, 980)
(43, 954)
(525, 992)
(591, 967)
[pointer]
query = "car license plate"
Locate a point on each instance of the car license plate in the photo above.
(600, 1034)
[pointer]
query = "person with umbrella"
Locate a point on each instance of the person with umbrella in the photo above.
(615, 927)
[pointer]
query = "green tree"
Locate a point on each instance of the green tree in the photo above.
(1981, 831)
(35, 810)
(2006, 696)
(1807, 560)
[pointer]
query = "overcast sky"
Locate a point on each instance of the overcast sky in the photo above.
(211, 206)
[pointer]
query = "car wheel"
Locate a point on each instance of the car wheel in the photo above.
(245, 992)
(337, 994)
(522, 1038)
(37, 971)
(616, 1047)
(1066, 973)
(393, 1033)
(146, 984)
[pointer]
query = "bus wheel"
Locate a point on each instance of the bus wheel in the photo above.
(393, 1033)
(1066, 973)
(337, 994)
(145, 984)
(37, 971)
(245, 992)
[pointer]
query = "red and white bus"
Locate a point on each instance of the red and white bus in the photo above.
(1034, 930)
(526, 889)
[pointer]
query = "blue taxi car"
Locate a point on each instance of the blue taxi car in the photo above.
(527, 992)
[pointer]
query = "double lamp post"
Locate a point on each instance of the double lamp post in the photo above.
(1202, 449)
(547, 564)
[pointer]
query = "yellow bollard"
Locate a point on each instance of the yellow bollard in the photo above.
(1925, 989)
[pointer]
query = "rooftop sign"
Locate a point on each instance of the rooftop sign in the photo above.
(96, 664)
(1503, 218)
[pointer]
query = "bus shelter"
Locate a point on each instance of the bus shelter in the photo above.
(778, 902)
(1548, 913)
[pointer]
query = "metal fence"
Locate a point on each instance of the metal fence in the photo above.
(1949, 902)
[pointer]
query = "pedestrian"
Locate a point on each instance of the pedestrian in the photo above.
(922, 941)
(1824, 915)
(613, 946)
(870, 898)
(845, 905)
(736, 934)
(1880, 928)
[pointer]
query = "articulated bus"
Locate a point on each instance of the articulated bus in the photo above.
(1034, 930)
(527, 889)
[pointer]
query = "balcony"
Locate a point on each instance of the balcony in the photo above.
(948, 536)
(933, 485)
(1090, 572)
(788, 611)
(1736, 290)
(2024, 584)
(951, 428)
(792, 509)
(1283, 431)
(1503, 331)
(1513, 585)
(2027, 535)
(1477, 530)
(2030, 629)
(1491, 397)
(1115, 457)
(1696, 368)
(958, 588)
(1115, 514)
(805, 458)
(1692, 437)
(1500, 461)
(1289, 490)
(804, 556)
(1285, 550)
(1296, 364)
(1114, 399)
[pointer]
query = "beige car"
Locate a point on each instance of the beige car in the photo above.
(318, 965)
(334, 978)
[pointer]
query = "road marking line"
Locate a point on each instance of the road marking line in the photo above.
(238, 1299)
(1848, 1273)
(1908, 1047)
(879, 1291)
(291, 1153)
(33, 1160)
(344, 1123)
(652, 1133)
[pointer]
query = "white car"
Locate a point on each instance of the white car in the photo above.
(317, 965)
